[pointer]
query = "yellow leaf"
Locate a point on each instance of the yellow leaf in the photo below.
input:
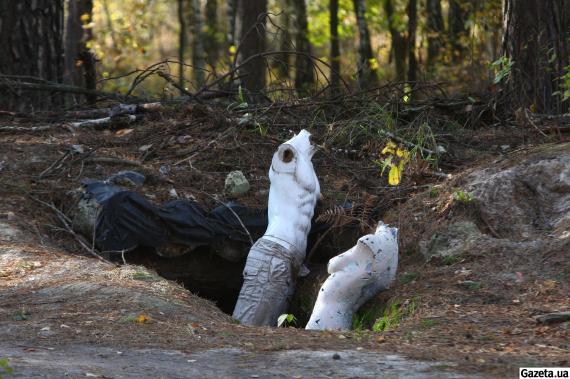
(532, 108)
(142, 319)
(399, 152)
(390, 146)
(232, 49)
(406, 158)
(395, 176)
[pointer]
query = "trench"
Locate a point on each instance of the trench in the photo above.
(207, 274)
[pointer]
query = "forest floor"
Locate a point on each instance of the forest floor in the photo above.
(64, 313)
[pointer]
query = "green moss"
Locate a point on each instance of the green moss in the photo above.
(128, 319)
(395, 312)
(429, 323)
(471, 285)
(451, 259)
(409, 277)
(142, 275)
(365, 318)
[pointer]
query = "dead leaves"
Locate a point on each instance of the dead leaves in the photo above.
(124, 132)
(142, 319)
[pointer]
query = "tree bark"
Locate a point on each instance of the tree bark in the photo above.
(367, 73)
(536, 37)
(456, 21)
(335, 47)
(182, 38)
(412, 26)
(435, 29)
(31, 43)
(304, 76)
(79, 13)
(248, 44)
(211, 43)
(231, 8)
(399, 43)
(197, 44)
(281, 64)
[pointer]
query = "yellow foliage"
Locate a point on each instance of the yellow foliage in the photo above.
(395, 175)
(142, 319)
(390, 146)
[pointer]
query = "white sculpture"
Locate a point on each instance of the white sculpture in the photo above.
(275, 260)
(356, 276)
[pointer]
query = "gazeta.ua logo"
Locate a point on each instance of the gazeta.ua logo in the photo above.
(544, 372)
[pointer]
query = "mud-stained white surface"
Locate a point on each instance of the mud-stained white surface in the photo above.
(91, 361)
(356, 276)
(275, 260)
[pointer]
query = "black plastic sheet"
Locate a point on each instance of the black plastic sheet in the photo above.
(127, 220)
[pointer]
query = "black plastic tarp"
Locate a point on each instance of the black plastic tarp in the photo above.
(127, 220)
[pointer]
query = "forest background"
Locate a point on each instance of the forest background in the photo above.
(453, 41)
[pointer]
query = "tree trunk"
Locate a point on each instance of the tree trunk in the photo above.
(367, 73)
(198, 62)
(536, 37)
(281, 63)
(253, 73)
(231, 8)
(31, 43)
(211, 43)
(456, 21)
(182, 38)
(305, 76)
(435, 28)
(79, 13)
(335, 47)
(412, 26)
(399, 43)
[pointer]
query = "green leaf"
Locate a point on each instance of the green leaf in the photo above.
(498, 78)
(552, 58)
(472, 99)
(240, 95)
(386, 163)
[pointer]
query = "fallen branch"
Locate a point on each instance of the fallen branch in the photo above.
(112, 160)
(47, 170)
(532, 123)
(388, 134)
(73, 89)
(8, 129)
(261, 55)
(118, 118)
(338, 164)
(179, 87)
